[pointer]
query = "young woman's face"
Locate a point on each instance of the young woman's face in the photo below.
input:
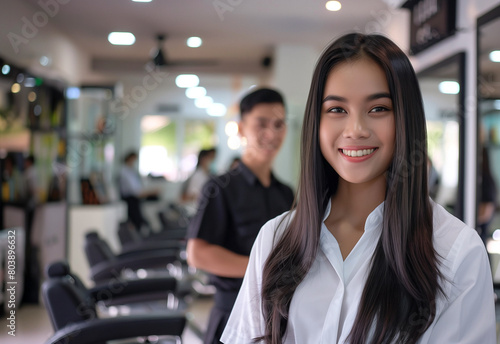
(264, 129)
(357, 129)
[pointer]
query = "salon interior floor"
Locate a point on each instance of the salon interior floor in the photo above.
(33, 324)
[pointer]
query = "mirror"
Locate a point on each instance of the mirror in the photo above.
(488, 135)
(442, 87)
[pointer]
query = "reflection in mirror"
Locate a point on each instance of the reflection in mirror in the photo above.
(442, 92)
(488, 157)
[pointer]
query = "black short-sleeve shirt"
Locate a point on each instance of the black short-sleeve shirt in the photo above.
(231, 210)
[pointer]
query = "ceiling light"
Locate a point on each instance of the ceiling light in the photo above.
(142, 0)
(333, 6)
(203, 102)
(196, 92)
(495, 56)
(194, 42)
(187, 80)
(217, 110)
(449, 87)
(121, 38)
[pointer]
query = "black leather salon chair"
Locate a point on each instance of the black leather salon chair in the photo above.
(72, 310)
(132, 240)
(105, 264)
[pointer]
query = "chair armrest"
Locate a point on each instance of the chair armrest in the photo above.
(107, 270)
(146, 246)
(168, 234)
(122, 291)
(102, 330)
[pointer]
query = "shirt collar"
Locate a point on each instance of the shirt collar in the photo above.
(249, 176)
(372, 221)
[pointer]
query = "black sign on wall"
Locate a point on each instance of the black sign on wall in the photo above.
(431, 22)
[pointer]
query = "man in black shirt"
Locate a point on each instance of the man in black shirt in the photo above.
(234, 206)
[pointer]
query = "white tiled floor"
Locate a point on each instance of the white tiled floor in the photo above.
(33, 325)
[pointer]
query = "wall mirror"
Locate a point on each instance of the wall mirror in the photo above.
(442, 87)
(488, 135)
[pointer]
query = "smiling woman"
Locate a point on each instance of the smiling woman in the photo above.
(365, 256)
(357, 128)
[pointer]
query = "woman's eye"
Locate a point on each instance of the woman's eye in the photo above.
(379, 109)
(337, 110)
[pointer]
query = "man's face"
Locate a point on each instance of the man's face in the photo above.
(264, 128)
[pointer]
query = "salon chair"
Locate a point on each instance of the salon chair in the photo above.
(105, 264)
(132, 240)
(74, 317)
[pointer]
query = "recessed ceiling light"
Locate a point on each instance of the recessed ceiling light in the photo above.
(187, 80)
(196, 92)
(203, 102)
(121, 38)
(194, 42)
(333, 6)
(217, 109)
(495, 56)
(449, 87)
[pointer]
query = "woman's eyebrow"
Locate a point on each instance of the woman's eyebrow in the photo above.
(378, 96)
(333, 97)
(370, 97)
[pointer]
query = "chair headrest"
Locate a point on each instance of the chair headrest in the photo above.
(58, 269)
(92, 235)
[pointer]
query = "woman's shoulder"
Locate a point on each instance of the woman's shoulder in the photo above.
(272, 231)
(452, 238)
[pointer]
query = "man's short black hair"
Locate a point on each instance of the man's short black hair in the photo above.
(30, 158)
(262, 95)
(130, 155)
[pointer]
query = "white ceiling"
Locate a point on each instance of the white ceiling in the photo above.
(237, 34)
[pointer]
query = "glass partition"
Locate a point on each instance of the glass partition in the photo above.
(442, 87)
(488, 136)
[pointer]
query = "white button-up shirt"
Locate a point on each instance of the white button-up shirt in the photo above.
(325, 304)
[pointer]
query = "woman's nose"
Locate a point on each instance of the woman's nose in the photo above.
(356, 127)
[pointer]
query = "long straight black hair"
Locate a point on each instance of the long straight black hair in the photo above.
(398, 300)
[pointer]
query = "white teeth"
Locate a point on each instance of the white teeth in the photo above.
(357, 153)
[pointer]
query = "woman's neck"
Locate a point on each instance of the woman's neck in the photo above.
(354, 202)
(261, 170)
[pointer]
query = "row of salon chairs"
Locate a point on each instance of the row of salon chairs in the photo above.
(149, 270)
(74, 315)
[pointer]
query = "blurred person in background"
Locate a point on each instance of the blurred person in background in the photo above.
(234, 206)
(194, 184)
(132, 190)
